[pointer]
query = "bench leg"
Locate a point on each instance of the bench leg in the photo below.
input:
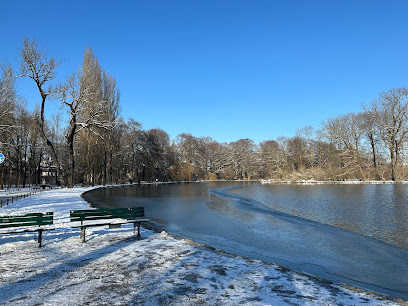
(83, 234)
(138, 228)
(40, 237)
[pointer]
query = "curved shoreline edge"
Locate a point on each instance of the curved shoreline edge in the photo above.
(216, 192)
(257, 206)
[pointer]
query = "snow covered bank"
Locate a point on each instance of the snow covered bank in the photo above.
(345, 182)
(114, 267)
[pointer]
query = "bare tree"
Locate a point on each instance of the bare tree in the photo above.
(36, 65)
(110, 94)
(307, 133)
(370, 128)
(8, 98)
(7, 119)
(243, 158)
(96, 140)
(191, 154)
(129, 149)
(296, 149)
(85, 113)
(269, 151)
(218, 157)
(346, 133)
(390, 112)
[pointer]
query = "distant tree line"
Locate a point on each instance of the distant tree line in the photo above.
(97, 146)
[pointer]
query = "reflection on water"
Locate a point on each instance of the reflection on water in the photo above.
(377, 211)
(177, 208)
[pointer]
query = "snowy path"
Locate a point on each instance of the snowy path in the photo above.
(114, 267)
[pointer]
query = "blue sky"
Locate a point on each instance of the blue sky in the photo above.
(225, 69)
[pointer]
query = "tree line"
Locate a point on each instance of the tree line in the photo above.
(97, 146)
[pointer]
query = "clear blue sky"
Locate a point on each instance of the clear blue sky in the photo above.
(225, 69)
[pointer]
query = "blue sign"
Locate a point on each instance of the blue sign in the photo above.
(1, 158)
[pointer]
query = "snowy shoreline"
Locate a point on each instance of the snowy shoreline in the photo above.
(113, 267)
(346, 182)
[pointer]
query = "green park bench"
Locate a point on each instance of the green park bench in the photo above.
(27, 221)
(133, 215)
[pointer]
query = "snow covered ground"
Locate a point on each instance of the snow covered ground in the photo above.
(114, 267)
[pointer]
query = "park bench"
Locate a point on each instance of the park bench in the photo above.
(133, 215)
(27, 221)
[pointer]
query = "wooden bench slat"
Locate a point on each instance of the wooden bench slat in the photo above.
(111, 223)
(91, 225)
(23, 220)
(110, 213)
(30, 230)
(20, 224)
(137, 220)
(92, 218)
(108, 210)
(26, 220)
(86, 218)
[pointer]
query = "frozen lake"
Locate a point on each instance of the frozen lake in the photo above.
(355, 234)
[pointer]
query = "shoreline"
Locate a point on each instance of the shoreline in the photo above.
(282, 266)
(345, 182)
(166, 268)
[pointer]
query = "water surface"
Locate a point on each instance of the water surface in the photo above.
(377, 211)
(339, 232)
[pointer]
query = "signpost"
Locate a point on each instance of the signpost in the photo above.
(2, 158)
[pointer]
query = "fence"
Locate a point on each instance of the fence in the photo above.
(8, 196)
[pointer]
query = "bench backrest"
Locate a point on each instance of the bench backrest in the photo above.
(27, 220)
(107, 213)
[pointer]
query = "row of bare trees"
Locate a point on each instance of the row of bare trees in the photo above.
(373, 143)
(91, 144)
(90, 98)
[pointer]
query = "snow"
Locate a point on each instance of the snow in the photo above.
(345, 182)
(114, 267)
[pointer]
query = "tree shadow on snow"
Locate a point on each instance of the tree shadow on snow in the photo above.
(37, 280)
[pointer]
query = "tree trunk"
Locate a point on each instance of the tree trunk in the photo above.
(392, 156)
(41, 123)
(372, 143)
(38, 174)
(111, 166)
(105, 168)
(53, 155)
(71, 161)
(2, 176)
